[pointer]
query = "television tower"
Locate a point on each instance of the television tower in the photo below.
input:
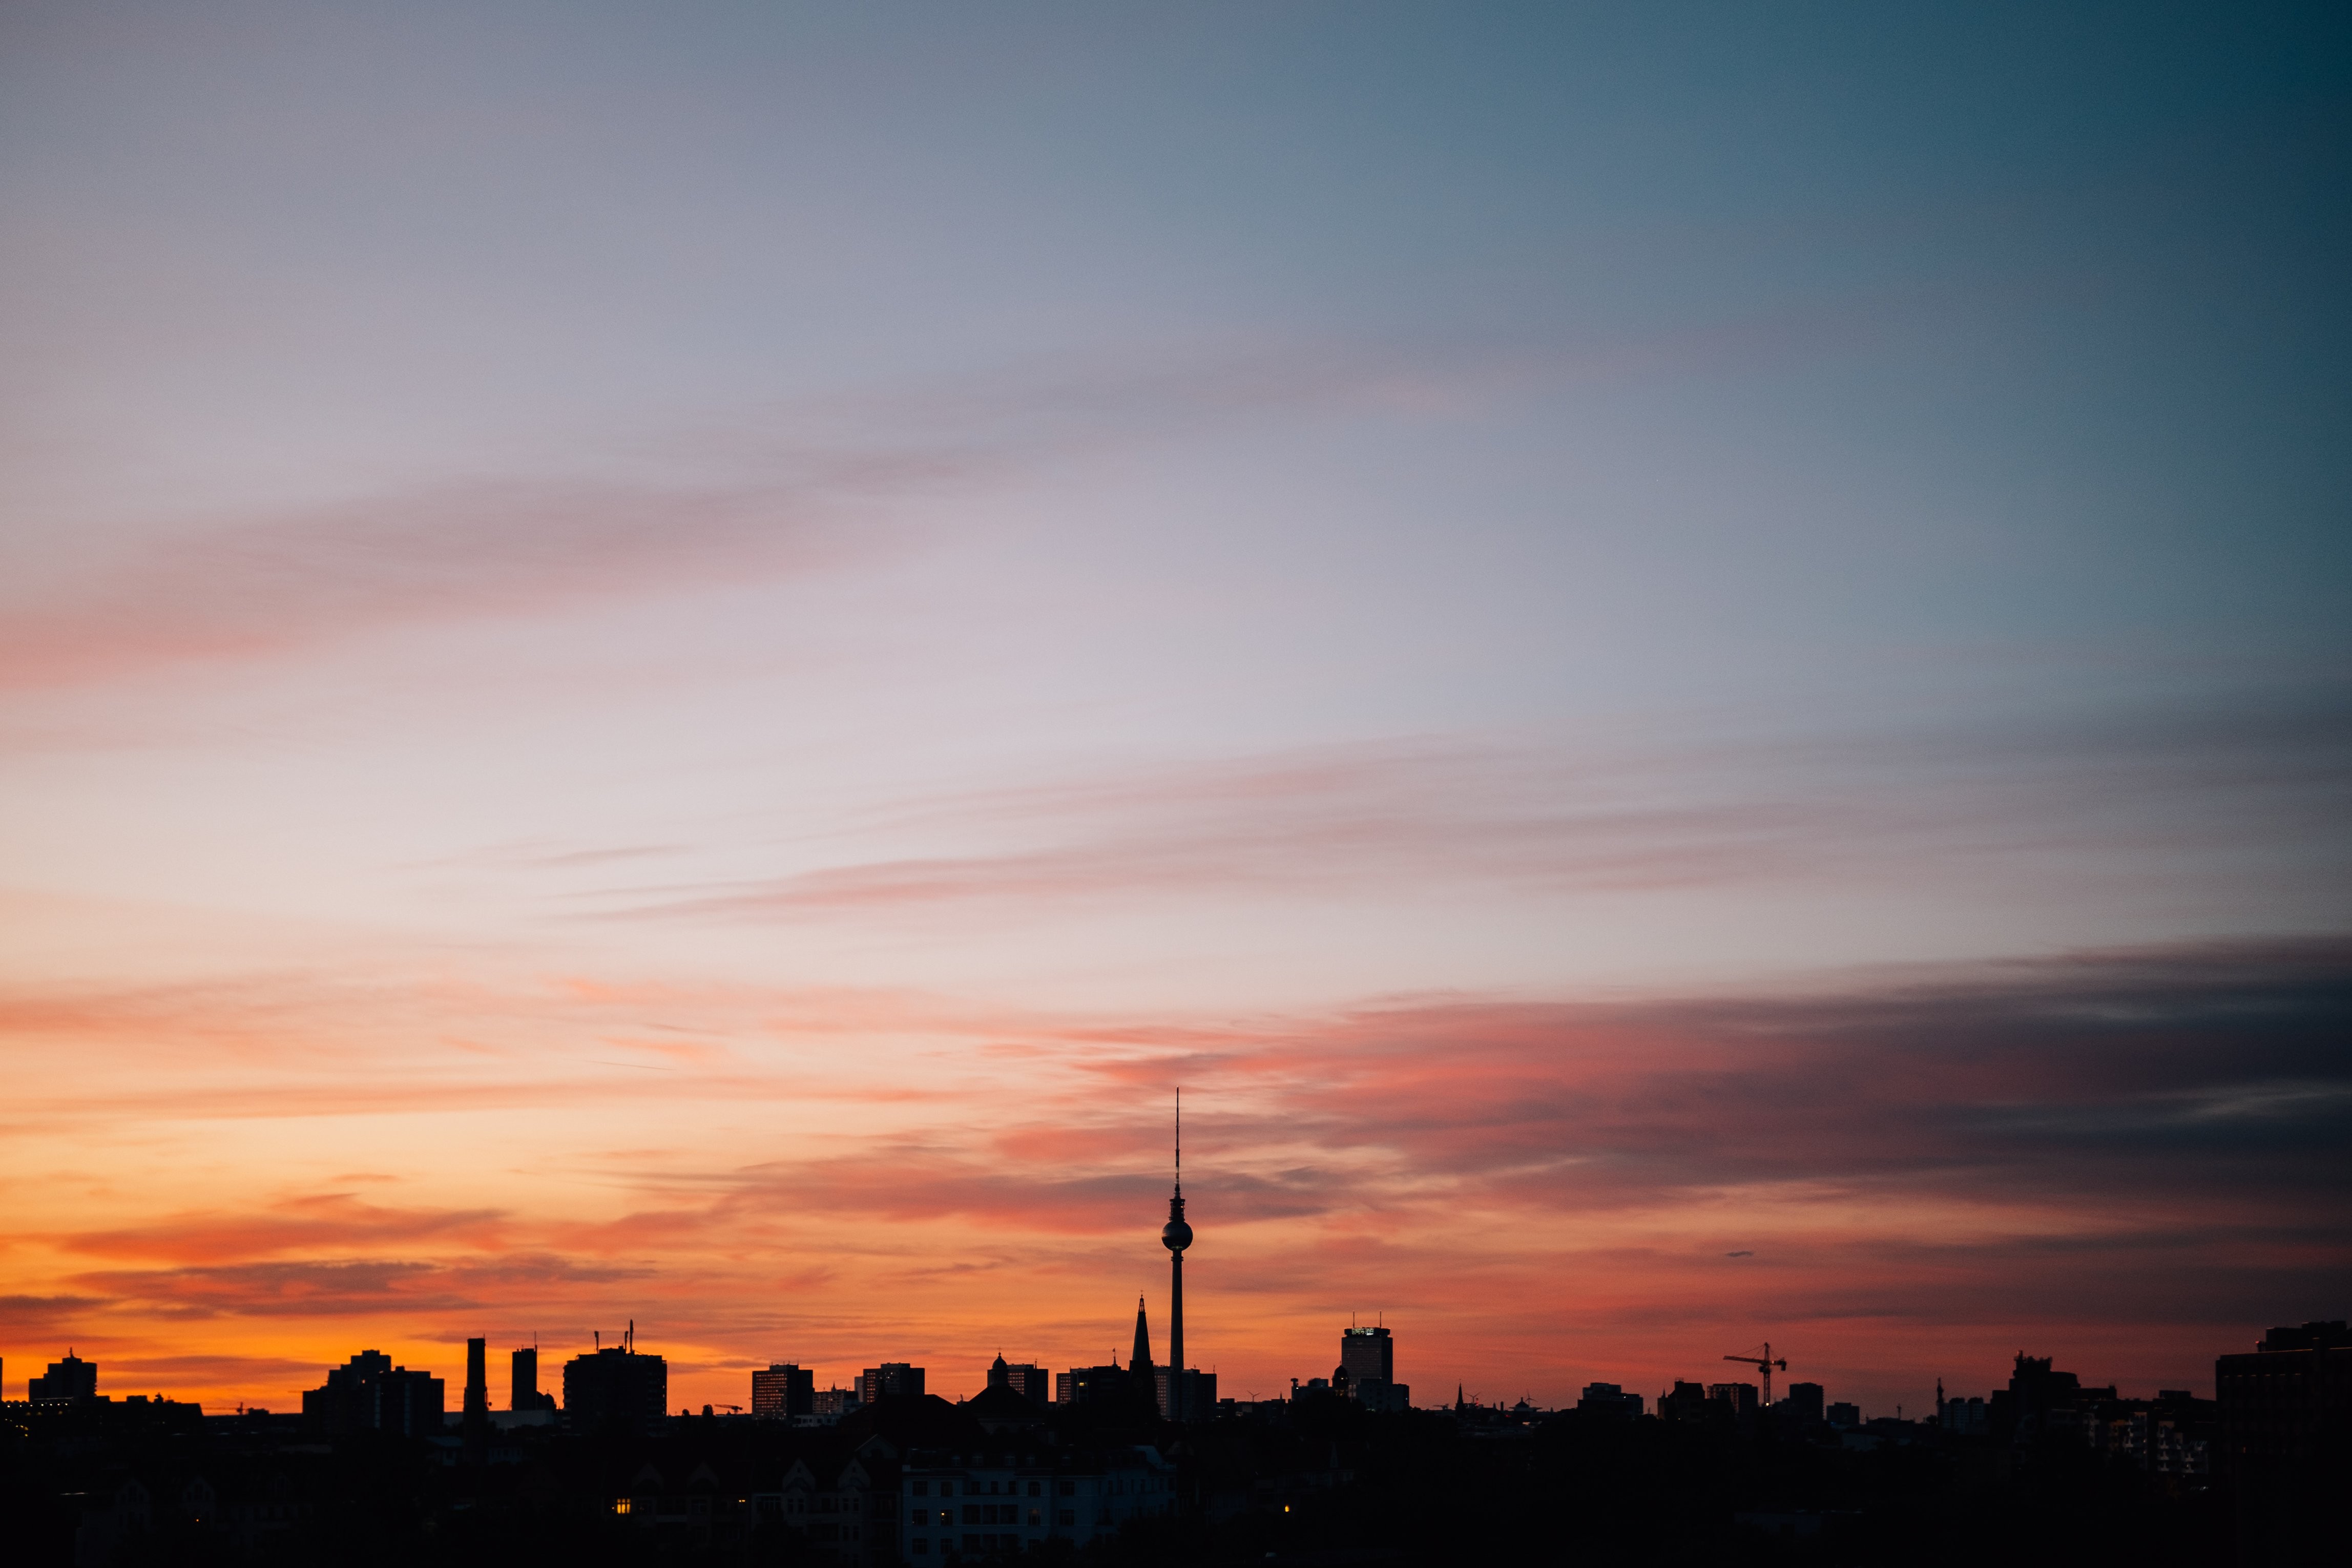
(1176, 1236)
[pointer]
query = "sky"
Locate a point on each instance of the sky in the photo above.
(1690, 666)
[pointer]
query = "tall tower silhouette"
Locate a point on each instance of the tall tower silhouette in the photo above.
(1176, 1236)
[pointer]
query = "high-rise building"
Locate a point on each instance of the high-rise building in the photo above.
(1024, 1378)
(615, 1388)
(2287, 1425)
(1367, 1353)
(1683, 1402)
(891, 1377)
(783, 1391)
(369, 1394)
(1190, 1390)
(477, 1379)
(523, 1382)
(1802, 1403)
(1608, 1399)
(1740, 1398)
(72, 1378)
(1367, 1356)
(1091, 1384)
(829, 1404)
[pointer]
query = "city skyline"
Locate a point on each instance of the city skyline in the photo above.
(1691, 667)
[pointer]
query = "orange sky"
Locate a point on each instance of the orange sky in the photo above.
(224, 1188)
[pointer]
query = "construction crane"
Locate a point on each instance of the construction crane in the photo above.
(1763, 1364)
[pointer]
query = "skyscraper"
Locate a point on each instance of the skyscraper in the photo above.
(783, 1391)
(614, 1388)
(1367, 1356)
(523, 1382)
(477, 1379)
(891, 1377)
(1367, 1353)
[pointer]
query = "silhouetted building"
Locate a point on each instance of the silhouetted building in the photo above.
(1844, 1416)
(1964, 1417)
(783, 1391)
(1608, 1399)
(1139, 1358)
(1191, 1391)
(477, 1379)
(1024, 1378)
(1802, 1403)
(828, 1405)
(1740, 1398)
(615, 1388)
(891, 1377)
(1003, 1504)
(72, 1378)
(2036, 1402)
(2286, 1439)
(523, 1382)
(369, 1394)
(1367, 1356)
(1683, 1402)
(1093, 1385)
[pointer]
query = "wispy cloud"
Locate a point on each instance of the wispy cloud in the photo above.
(2116, 1144)
(1643, 814)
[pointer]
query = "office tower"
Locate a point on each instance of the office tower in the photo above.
(72, 1378)
(891, 1377)
(2287, 1421)
(1606, 1399)
(523, 1382)
(1803, 1403)
(1740, 1398)
(1367, 1353)
(368, 1393)
(1683, 1402)
(615, 1388)
(477, 1378)
(829, 1404)
(1024, 1378)
(783, 1391)
(1191, 1391)
(1091, 1384)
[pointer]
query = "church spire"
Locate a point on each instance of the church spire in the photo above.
(1139, 1360)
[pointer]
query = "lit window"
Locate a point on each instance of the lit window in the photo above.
(620, 1505)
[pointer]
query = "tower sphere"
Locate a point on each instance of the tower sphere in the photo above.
(1176, 1236)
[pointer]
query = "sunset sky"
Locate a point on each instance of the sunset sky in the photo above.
(1690, 666)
